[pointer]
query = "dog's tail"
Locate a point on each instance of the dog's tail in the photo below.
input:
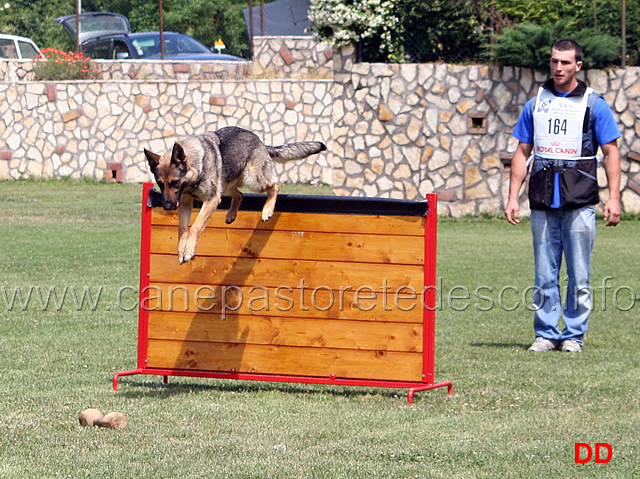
(295, 151)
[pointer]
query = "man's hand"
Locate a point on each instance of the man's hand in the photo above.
(516, 178)
(612, 212)
(511, 212)
(612, 168)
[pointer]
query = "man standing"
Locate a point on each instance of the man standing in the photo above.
(563, 126)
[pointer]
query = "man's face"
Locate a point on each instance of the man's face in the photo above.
(563, 69)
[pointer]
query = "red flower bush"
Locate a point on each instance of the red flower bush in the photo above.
(54, 64)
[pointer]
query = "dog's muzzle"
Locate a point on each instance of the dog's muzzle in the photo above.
(170, 205)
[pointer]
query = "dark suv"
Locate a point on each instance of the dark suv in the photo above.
(146, 46)
(108, 36)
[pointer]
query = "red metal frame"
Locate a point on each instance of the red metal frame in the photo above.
(429, 317)
(145, 267)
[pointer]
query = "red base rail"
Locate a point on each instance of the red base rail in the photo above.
(412, 386)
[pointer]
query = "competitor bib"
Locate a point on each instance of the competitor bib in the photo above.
(557, 125)
(561, 177)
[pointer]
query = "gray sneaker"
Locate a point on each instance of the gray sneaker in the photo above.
(542, 345)
(571, 346)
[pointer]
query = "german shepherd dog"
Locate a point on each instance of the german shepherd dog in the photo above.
(217, 163)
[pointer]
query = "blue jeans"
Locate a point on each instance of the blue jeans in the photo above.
(573, 233)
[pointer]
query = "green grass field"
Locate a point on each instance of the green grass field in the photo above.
(513, 414)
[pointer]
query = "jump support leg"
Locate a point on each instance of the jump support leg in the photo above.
(116, 376)
(448, 384)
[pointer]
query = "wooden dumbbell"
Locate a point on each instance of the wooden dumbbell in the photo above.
(93, 417)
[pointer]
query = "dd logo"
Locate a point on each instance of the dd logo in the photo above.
(597, 447)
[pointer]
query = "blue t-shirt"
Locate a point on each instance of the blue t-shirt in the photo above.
(604, 123)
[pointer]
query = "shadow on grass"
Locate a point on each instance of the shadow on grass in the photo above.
(161, 390)
(501, 345)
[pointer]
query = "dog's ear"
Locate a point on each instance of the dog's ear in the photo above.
(152, 159)
(177, 155)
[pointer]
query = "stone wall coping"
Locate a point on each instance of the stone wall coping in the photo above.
(170, 62)
(288, 37)
(173, 80)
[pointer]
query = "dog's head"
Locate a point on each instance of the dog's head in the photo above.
(171, 173)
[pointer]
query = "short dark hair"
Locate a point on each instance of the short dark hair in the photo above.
(568, 44)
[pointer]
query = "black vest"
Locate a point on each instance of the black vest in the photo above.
(566, 183)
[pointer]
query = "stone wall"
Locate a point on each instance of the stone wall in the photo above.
(16, 70)
(404, 130)
(22, 70)
(98, 129)
(392, 130)
(291, 57)
(274, 57)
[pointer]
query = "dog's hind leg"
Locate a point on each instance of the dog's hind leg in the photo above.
(189, 250)
(270, 204)
(236, 199)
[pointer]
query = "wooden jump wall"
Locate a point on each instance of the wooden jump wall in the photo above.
(332, 294)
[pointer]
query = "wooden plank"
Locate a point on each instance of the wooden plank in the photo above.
(372, 224)
(283, 273)
(284, 360)
(384, 305)
(332, 334)
(352, 247)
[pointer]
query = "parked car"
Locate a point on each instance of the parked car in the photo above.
(146, 46)
(13, 46)
(108, 36)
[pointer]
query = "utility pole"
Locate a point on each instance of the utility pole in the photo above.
(161, 31)
(624, 33)
(251, 25)
(78, 10)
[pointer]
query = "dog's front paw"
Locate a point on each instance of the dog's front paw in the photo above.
(188, 252)
(182, 258)
(230, 217)
(267, 214)
(186, 256)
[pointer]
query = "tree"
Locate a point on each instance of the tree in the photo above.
(34, 19)
(442, 30)
(224, 19)
(544, 12)
(383, 30)
(407, 30)
(205, 20)
(528, 45)
(371, 22)
(594, 21)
